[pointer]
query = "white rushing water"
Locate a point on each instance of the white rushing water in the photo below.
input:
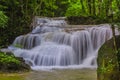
(48, 46)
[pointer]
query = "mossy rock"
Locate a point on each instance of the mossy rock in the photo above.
(10, 63)
(108, 68)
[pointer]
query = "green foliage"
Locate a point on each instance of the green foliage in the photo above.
(8, 59)
(3, 20)
(104, 10)
(10, 63)
(74, 10)
(106, 69)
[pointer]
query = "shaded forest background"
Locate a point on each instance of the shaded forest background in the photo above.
(16, 16)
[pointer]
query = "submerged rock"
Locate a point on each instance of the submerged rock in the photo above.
(107, 61)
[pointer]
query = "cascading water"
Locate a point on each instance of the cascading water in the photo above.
(49, 54)
(49, 46)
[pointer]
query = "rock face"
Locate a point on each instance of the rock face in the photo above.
(7, 51)
(107, 61)
(10, 63)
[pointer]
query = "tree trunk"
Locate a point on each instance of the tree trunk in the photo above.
(108, 8)
(118, 5)
(94, 9)
(99, 7)
(83, 8)
(89, 7)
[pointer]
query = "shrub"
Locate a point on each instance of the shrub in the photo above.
(3, 19)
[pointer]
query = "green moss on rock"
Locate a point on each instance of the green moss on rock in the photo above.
(10, 63)
(107, 61)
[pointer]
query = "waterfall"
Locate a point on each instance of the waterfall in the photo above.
(49, 46)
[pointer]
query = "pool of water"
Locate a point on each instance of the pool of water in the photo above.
(65, 74)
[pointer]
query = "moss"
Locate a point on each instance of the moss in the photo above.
(7, 59)
(13, 76)
(107, 62)
(9, 63)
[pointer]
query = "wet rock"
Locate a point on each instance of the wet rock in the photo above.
(5, 50)
(23, 66)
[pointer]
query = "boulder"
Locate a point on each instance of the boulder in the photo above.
(107, 61)
(10, 63)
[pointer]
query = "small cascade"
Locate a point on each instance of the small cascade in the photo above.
(28, 41)
(99, 35)
(49, 54)
(81, 43)
(48, 45)
(62, 38)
